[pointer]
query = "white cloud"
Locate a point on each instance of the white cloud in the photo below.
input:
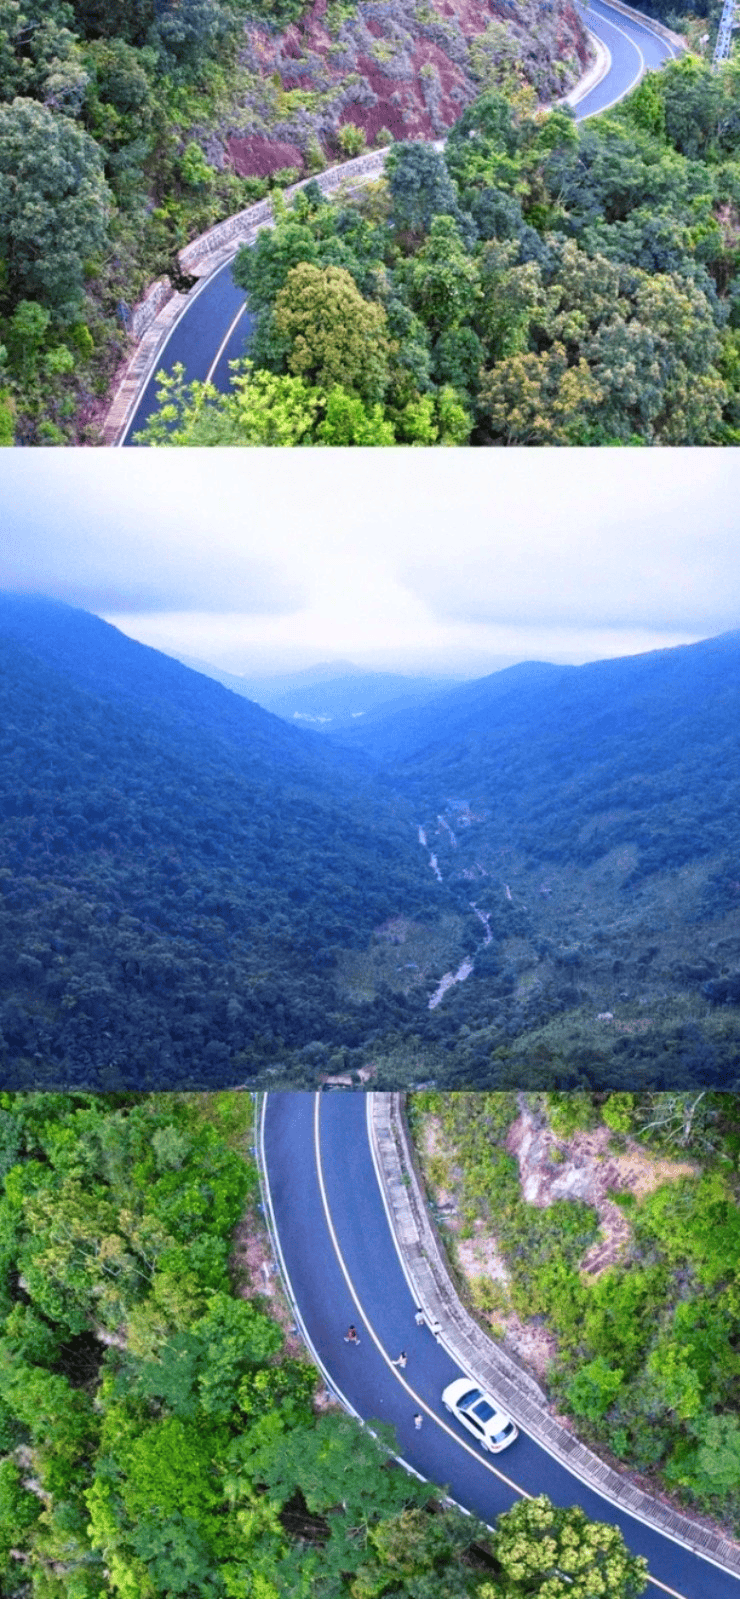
(420, 559)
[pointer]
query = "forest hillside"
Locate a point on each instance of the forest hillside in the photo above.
(126, 131)
(538, 872)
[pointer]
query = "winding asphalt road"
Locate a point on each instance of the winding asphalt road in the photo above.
(340, 1259)
(215, 325)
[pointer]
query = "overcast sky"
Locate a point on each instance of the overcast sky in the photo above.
(412, 560)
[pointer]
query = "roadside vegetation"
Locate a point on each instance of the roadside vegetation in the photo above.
(644, 1333)
(537, 282)
(155, 1437)
(102, 180)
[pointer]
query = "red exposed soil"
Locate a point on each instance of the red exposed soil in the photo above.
(257, 158)
(255, 1276)
(344, 78)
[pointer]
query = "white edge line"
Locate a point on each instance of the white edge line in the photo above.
(641, 20)
(156, 360)
(439, 1421)
(261, 1110)
(591, 87)
(275, 1241)
(700, 1554)
(633, 85)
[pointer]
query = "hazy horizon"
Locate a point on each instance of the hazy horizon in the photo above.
(443, 564)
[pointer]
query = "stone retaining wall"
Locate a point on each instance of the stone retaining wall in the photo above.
(144, 313)
(476, 1354)
(153, 318)
(136, 372)
(222, 241)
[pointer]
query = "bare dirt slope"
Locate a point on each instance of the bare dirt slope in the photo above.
(408, 67)
(582, 1167)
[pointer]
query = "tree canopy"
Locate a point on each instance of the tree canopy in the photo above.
(155, 1437)
(557, 284)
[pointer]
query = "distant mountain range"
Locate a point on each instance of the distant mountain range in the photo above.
(532, 877)
(332, 695)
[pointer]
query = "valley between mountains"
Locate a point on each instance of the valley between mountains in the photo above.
(535, 875)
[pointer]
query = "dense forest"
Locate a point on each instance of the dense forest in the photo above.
(98, 187)
(590, 813)
(115, 132)
(155, 1437)
(533, 878)
(645, 1345)
(536, 282)
(178, 870)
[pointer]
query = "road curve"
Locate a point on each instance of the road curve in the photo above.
(340, 1263)
(214, 324)
(634, 47)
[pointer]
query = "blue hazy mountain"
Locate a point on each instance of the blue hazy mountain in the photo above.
(194, 892)
(331, 695)
(177, 867)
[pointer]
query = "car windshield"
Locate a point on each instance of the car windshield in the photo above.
(469, 1399)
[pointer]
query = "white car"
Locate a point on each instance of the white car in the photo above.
(480, 1414)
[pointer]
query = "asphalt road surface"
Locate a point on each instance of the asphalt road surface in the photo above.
(340, 1258)
(214, 326)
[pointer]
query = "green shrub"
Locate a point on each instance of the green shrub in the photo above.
(351, 139)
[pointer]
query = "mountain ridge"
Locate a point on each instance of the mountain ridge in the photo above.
(193, 891)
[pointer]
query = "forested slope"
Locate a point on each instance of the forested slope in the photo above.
(178, 868)
(193, 892)
(614, 1223)
(592, 814)
(536, 282)
(157, 1438)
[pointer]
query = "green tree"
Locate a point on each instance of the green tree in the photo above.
(260, 408)
(548, 1550)
(442, 279)
(347, 421)
(54, 205)
(594, 1388)
(352, 139)
(718, 1455)
(420, 185)
(334, 336)
(27, 330)
(513, 296)
(39, 56)
(263, 268)
(106, 19)
(540, 399)
(19, 1509)
(7, 419)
